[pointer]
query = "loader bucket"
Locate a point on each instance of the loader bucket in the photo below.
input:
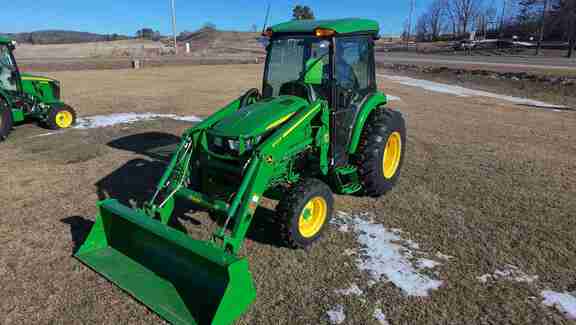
(185, 281)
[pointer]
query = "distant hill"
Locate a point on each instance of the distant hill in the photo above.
(218, 41)
(61, 37)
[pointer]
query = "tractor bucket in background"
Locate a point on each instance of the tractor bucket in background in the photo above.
(185, 281)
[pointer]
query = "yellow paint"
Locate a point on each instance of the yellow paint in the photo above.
(37, 79)
(392, 153)
(64, 119)
(314, 110)
(279, 121)
(312, 217)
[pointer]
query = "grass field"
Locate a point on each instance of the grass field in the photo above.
(486, 197)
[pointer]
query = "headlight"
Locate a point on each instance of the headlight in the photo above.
(218, 142)
(234, 145)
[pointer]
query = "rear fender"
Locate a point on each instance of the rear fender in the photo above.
(375, 101)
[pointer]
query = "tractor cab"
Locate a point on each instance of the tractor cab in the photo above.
(331, 60)
(9, 75)
(24, 97)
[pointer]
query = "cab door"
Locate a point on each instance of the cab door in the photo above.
(9, 75)
(354, 81)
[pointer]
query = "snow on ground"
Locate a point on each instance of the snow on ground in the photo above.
(393, 98)
(563, 302)
(510, 273)
(464, 92)
(101, 121)
(353, 290)
(336, 315)
(386, 256)
(380, 317)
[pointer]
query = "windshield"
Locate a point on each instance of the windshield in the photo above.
(7, 69)
(6, 58)
(289, 59)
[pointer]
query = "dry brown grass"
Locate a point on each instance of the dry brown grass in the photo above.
(489, 183)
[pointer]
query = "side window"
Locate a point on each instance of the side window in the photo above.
(353, 58)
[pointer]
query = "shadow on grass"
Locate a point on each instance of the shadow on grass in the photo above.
(135, 182)
(156, 145)
(79, 229)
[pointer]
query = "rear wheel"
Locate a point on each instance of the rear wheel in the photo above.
(61, 118)
(5, 120)
(381, 151)
(304, 212)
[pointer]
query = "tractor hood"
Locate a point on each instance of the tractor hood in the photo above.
(29, 77)
(256, 119)
(44, 88)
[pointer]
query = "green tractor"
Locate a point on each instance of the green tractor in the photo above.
(319, 126)
(25, 97)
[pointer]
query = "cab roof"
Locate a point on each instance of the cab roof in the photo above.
(340, 26)
(4, 40)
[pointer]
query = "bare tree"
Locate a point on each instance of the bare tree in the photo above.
(465, 12)
(430, 24)
(423, 31)
(436, 14)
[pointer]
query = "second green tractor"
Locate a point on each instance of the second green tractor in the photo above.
(25, 97)
(318, 126)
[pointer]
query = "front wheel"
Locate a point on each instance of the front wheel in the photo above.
(381, 151)
(5, 120)
(61, 118)
(305, 212)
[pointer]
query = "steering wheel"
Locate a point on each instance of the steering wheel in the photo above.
(250, 97)
(298, 88)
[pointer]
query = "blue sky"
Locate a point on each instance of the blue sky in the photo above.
(125, 17)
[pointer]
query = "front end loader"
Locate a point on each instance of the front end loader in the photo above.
(319, 126)
(24, 97)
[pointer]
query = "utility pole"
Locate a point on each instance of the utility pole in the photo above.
(542, 24)
(266, 19)
(504, 11)
(409, 34)
(174, 26)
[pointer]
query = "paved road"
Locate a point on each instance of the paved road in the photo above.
(519, 62)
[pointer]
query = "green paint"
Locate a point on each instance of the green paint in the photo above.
(315, 71)
(341, 26)
(40, 94)
(377, 100)
(224, 164)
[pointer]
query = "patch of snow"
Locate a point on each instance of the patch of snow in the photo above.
(464, 92)
(510, 273)
(385, 257)
(563, 302)
(392, 98)
(425, 263)
(353, 290)
(336, 315)
(380, 317)
(102, 121)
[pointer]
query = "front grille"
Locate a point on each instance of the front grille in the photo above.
(223, 149)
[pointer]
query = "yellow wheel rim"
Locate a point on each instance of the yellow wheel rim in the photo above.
(392, 154)
(312, 217)
(64, 119)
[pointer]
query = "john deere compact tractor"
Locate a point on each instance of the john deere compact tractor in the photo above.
(24, 97)
(318, 126)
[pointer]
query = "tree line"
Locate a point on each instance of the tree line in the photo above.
(536, 20)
